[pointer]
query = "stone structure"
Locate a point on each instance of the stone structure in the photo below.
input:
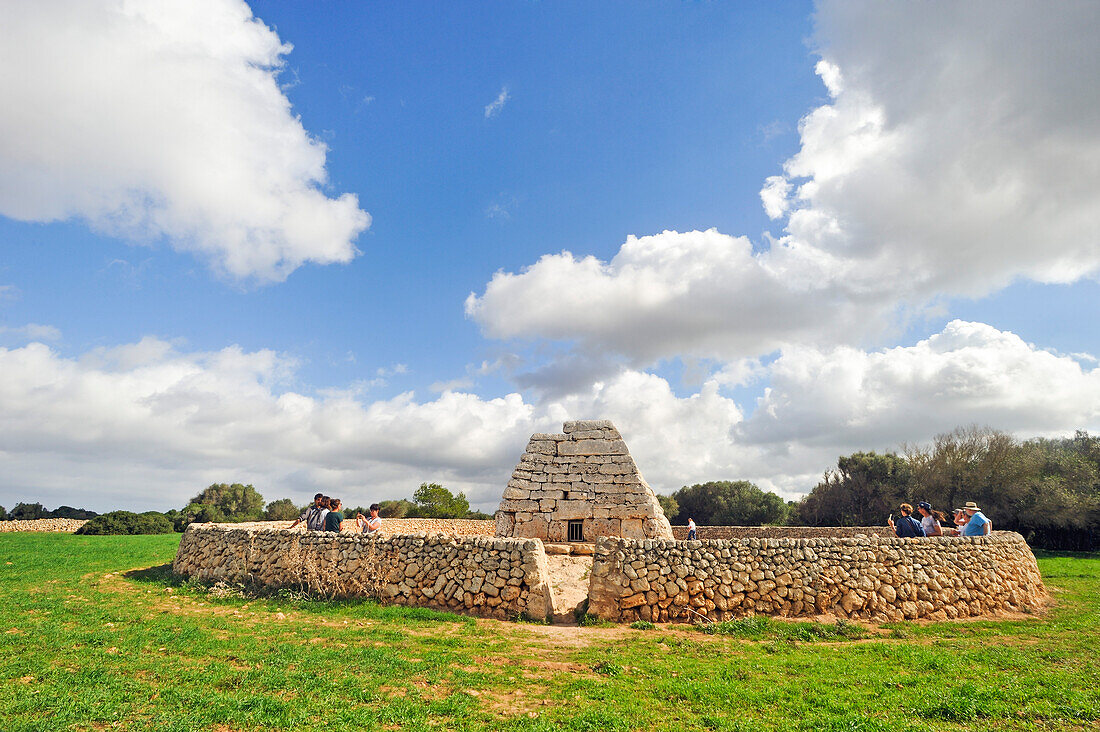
(584, 477)
(485, 576)
(868, 577)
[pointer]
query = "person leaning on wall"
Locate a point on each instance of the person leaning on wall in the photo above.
(906, 527)
(373, 525)
(977, 523)
(310, 515)
(931, 520)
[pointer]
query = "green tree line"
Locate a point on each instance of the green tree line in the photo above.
(1046, 489)
(237, 502)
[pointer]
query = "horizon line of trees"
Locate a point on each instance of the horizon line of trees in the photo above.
(237, 503)
(1048, 490)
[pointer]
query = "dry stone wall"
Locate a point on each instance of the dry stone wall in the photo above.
(493, 577)
(584, 474)
(867, 577)
(780, 532)
(62, 525)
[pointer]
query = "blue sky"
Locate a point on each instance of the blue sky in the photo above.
(929, 258)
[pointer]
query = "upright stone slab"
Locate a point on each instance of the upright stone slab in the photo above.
(584, 474)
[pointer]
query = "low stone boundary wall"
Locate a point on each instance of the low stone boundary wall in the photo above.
(61, 525)
(390, 526)
(779, 532)
(494, 577)
(868, 577)
(452, 527)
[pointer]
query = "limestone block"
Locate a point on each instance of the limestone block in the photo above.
(557, 531)
(528, 505)
(547, 436)
(581, 425)
(566, 510)
(631, 528)
(594, 527)
(591, 447)
(536, 528)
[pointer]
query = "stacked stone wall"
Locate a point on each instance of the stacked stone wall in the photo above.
(451, 527)
(867, 577)
(60, 525)
(584, 474)
(780, 532)
(493, 577)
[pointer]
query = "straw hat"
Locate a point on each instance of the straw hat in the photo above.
(971, 506)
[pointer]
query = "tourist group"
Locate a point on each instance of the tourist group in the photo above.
(325, 515)
(969, 521)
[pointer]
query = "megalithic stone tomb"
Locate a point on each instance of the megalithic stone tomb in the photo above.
(583, 477)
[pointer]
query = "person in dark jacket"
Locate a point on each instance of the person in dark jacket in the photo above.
(906, 527)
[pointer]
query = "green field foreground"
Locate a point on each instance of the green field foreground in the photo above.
(95, 633)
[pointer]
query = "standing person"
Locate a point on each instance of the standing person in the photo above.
(309, 516)
(334, 517)
(373, 525)
(691, 529)
(978, 524)
(931, 521)
(319, 518)
(907, 527)
(960, 518)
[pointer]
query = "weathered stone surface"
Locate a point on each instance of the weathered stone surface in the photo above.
(592, 447)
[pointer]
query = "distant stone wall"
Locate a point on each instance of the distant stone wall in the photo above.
(779, 532)
(451, 527)
(60, 525)
(492, 577)
(870, 577)
(584, 474)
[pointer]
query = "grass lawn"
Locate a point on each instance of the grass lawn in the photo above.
(88, 643)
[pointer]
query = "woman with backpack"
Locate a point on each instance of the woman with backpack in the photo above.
(907, 527)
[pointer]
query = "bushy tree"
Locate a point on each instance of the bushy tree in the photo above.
(3, 514)
(126, 522)
(68, 512)
(281, 510)
(1047, 489)
(863, 490)
(434, 501)
(223, 502)
(28, 512)
(728, 503)
(394, 509)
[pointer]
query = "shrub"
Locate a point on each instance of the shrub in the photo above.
(281, 510)
(126, 522)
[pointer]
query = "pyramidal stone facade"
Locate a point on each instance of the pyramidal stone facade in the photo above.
(584, 477)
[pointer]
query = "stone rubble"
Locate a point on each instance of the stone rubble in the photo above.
(585, 473)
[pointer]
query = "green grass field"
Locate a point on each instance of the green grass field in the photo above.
(87, 642)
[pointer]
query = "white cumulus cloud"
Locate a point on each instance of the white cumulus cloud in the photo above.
(147, 425)
(154, 120)
(959, 151)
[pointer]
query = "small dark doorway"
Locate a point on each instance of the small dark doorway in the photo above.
(576, 531)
